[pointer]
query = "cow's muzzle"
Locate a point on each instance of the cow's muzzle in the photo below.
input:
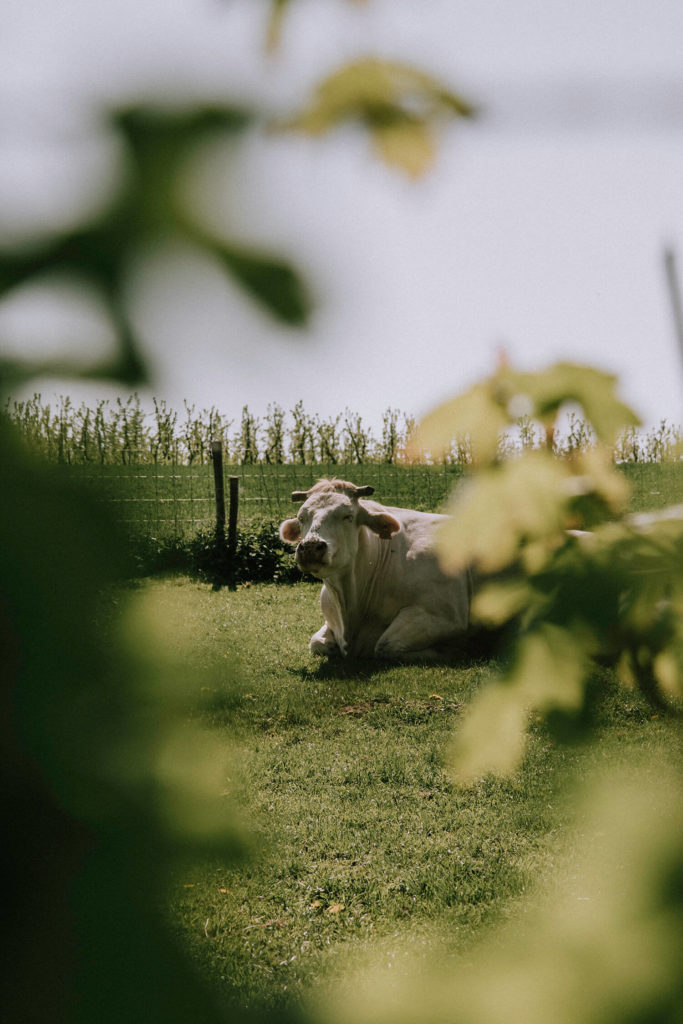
(311, 553)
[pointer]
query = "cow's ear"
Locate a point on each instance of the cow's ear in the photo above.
(290, 531)
(381, 523)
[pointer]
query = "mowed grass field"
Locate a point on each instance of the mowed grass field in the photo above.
(364, 850)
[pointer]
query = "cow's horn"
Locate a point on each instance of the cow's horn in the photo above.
(299, 495)
(364, 492)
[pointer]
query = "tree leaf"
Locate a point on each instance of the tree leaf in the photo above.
(491, 738)
(476, 414)
(550, 668)
(562, 383)
(405, 143)
(395, 102)
(497, 603)
(548, 673)
(275, 24)
(269, 280)
(502, 509)
(146, 208)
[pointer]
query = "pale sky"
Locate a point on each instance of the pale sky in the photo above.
(540, 229)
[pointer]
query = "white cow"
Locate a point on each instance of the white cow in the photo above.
(384, 594)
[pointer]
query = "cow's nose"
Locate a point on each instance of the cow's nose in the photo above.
(312, 550)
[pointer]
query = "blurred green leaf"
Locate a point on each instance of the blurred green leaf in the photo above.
(271, 282)
(491, 737)
(550, 667)
(105, 787)
(405, 143)
(476, 414)
(501, 511)
(615, 592)
(396, 103)
(497, 603)
(548, 672)
(496, 404)
(276, 21)
(562, 383)
(159, 142)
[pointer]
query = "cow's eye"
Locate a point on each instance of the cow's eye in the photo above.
(348, 516)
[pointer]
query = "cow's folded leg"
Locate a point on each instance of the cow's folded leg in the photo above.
(412, 636)
(323, 643)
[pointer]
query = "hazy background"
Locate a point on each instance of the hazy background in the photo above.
(540, 229)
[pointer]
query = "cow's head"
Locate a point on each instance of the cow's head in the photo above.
(326, 530)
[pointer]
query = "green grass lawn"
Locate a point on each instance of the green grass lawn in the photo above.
(364, 847)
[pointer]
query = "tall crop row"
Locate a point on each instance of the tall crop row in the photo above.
(121, 432)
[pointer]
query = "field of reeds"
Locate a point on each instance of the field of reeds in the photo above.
(123, 433)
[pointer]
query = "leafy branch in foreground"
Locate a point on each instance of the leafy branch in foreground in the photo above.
(146, 211)
(558, 558)
(398, 105)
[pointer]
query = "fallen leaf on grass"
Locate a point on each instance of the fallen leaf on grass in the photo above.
(336, 908)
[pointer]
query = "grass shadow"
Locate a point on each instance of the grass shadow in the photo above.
(358, 669)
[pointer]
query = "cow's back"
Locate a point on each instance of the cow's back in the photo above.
(409, 572)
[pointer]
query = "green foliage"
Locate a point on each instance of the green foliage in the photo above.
(398, 106)
(247, 440)
(328, 440)
(663, 443)
(276, 21)
(260, 556)
(146, 210)
(301, 443)
(109, 782)
(616, 594)
(274, 450)
(106, 787)
(499, 403)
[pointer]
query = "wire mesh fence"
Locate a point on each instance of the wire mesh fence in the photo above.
(172, 498)
(158, 499)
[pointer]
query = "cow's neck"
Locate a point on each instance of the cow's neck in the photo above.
(353, 589)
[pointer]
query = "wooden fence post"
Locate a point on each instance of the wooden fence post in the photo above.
(233, 507)
(217, 459)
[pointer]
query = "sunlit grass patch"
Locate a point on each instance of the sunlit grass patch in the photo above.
(364, 842)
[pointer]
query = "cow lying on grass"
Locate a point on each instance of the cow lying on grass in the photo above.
(383, 593)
